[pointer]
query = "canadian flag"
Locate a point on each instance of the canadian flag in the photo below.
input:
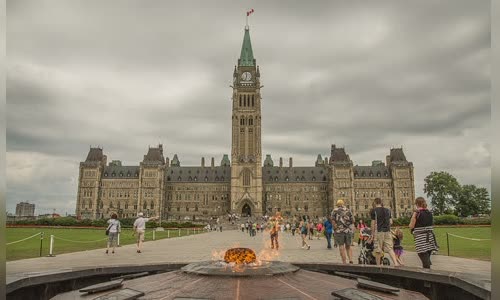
(250, 12)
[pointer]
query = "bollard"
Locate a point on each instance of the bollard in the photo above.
(448, 244)
(179, 232)
(154, 234)
(51, 247)
(41, 243)
(168, 233)
(118, 240)
(193, 231)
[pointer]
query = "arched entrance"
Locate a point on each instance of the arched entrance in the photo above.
(246, 211)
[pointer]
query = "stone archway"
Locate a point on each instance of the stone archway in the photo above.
(246, 210)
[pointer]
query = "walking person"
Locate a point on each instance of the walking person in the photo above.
(114, 228)
(421, 226)
(319, 229)
(242, 227)
(381, 221)
(303, 227)
(274, 230)
(311, 229)
(342, 220)
(140, 229)
(328, 231)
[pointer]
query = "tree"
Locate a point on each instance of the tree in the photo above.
(443, 189)
(472, 201)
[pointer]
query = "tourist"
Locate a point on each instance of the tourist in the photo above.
(258, 227)
(328, 231)
(254, 229)
(220, 227)
(421, 226)
(262, 227)
(311, 229)
(275, 226)
(361, 225)
(294, 227)
(342, 220)
(397, 237)
(381, 232)
(242, 227)
(114, 228)
(287, 227)
(140, 229)
(319, 229)
(303, 227)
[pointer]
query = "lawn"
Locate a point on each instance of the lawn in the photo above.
(72, 239)
(458, 246)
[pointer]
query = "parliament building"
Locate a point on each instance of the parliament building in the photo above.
(246, 185)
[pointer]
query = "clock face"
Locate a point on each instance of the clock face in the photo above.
(246, 76)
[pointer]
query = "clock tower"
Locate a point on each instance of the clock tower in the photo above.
(246, 149)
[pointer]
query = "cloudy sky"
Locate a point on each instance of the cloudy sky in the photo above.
(128, 74)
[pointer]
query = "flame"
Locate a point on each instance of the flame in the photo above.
(240, 256)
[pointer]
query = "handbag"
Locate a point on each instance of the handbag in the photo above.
(107, 229)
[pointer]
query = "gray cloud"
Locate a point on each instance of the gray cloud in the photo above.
(125, 76)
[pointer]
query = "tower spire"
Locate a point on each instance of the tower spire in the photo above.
(246, 56)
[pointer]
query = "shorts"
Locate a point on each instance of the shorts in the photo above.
(382, 243)
(140, 235)
(342, 238)
(112, 236)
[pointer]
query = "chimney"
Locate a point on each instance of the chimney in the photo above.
(203, 162)
(281, 162)
(167, 162)
(213, 162)
(290, 164)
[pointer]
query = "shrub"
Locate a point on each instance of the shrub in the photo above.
(446, 220)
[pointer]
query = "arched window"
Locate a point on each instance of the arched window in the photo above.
(286, 178)
(152, 205)
(314, 178)
(206, 178)
(144, 205)
(250, 121)
(190, 178)
(246, 177)
(240, 101)
(111, 204)
(195, 178)
(179, 178)
(276, 178)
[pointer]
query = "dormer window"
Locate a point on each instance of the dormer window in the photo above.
(113, 174)
(105, 174)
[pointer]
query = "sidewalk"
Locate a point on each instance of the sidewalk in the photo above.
(200, 248)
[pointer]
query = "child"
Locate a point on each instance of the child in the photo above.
(397, 237)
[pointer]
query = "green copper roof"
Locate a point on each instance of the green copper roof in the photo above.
(246, 57)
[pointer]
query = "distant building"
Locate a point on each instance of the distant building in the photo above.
(25, 209)
(246, 184)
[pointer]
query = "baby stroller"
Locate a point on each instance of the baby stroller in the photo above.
(366, 256)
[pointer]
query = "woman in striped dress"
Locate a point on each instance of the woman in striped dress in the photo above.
(421, 227)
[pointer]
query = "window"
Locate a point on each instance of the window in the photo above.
(252, 101)
(250, 121)
(126, 205)
(246, 177)
(240, 101)
(152, 206)
(145, 205)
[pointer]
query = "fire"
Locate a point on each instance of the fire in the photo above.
(240, 256)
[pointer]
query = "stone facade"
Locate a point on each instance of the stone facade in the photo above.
(247, 186)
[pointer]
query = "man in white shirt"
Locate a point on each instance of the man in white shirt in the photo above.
(140, 229)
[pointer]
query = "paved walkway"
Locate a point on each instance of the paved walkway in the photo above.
(212, 245)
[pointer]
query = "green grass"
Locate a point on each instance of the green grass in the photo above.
(86, 239)
(458, 247)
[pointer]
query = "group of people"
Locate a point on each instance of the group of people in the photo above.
(340, 224)
(114, 228)
(383, 238)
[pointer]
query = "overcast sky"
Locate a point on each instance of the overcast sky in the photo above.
(129, 74)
